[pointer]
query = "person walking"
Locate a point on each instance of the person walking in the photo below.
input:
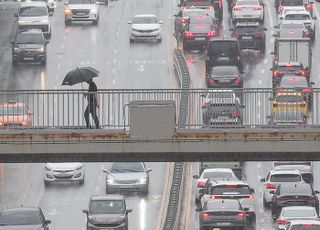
(92, 104)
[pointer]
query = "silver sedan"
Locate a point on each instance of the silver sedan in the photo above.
(247, 10)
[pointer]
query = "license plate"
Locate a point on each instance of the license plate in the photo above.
(246, 37)
(81, 14)
(28, 58)
(224, 223)
(247, 16)
(200, 39)
(224, 81)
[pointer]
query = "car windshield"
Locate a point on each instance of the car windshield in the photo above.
(24, 217)
(292, 26)
(297, 17)
(72, 2)
(123, 167)
(29, 39)
(223, 48)
(145, 20)
(247, 29)
(230, 190)
(306, 190)
(299, 213)
(305, 227)
(224, 204)
(199, 28)
(242, 3)
(12, 110)
(187, 13)
(289, 98)
(106, 206)
(208, 175)
(285, 178)
(32, 11)
(292, 3)
(225, 70)
(288, 69)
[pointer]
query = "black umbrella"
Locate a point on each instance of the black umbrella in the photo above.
(78, 75)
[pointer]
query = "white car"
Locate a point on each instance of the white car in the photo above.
(145, 26)
(295, 213)
(305, 167)
(303, 225)
(247, 10)
(68, 171)
(81, 10)
(34, 15)
(274, 179)
(287, 9)
(214, 173)
(303, 16)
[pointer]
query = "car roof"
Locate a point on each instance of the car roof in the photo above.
(107, 197)
(29, 31)
(227, 181)
(21, 208)
(36, 3)
(217, 170)
(244, 24)
(298, 208)
(145, 15)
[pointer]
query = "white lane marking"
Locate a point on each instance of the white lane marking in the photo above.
(114, 61)
(259, 104)
(117, 34)
(100, 178)
(262, 71)
(60, 56)
(64, 37)
(115, 51)
(113, 71)
(58, 66)
(163, 61)
(62, 46)
(96, 189)
(260, 82)
(265, 61)
(88, 63)
(259, 164)
(113, 82)
(57, 77)
(261, 210)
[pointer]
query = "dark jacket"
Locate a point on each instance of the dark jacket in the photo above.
(92, 96)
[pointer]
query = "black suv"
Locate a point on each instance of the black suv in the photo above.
(230, 189)
(107, 211)
(31, 218)
(223, 51)
(293, 195)
(250, 35)
(29, 46)
(221, 213)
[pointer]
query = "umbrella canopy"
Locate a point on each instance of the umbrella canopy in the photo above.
(78, 75)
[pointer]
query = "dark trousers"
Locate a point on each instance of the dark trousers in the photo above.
(93, 110)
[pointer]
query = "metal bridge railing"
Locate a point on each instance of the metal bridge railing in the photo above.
(207, 108)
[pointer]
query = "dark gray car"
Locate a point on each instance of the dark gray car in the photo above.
(107, 212)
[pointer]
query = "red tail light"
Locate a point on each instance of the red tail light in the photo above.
(201, 184)
(277, 73)
(251, 196)
(280, 9)
(210, 34)
(257, 8)
(302, 105)
(237, 80)
(235, 114)
(303, 73)
(279, 90)
(205, 214)
(282, 222)
(235, 34)
(307, 225)
(308, 7)
(188, 34)
(237, 8)
(211, 81)
(307, 90)
(270, 186)
(241, 214)
(257, 34)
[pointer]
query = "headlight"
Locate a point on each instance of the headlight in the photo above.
(93, 11)
(17, 50)
(67, 11)
(79, 168)
(48, 168)
(1, 123)
(143, 180)
(40, 50)
(110, 181)
(91, 218)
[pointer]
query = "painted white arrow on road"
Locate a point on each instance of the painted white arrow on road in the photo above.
(141, 68)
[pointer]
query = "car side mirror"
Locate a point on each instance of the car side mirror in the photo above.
(274, 35)
(265, 29)
(312, 83)
(46, 42)
(272, 192)
(281, 18)
(252, 190)
(198, 209)
(271, 69)
(268, 117)
(106, 171)
(85, 211)
(272, 53)
(195, 177)
(148, 170)
(30, 113)
(47, 222)
(276, 27)
(11, 42)
(243, 106)
(314, 17)
(179, 5)
(15, 15)
(65, 4)
(129, 210)
(230, 29)
(175, 15)
(246, 209)
(129, 22)
(161, 22)
(263, 180)
(201, 191)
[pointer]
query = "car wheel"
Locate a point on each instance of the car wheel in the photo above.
(131, 40)
(14, 62)
(145, 191)
(95, 22)
(67, 22)
(159, 40)
(197, 201)
(106, 3)
(44, 61)
(81, 182)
